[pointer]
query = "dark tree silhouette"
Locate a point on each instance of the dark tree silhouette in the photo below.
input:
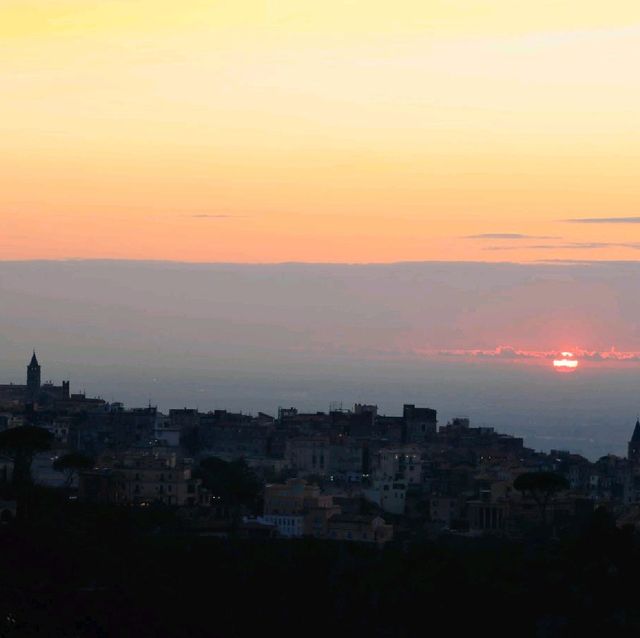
(541, 486)
(234, 483)
(21, 444)
(71, 464)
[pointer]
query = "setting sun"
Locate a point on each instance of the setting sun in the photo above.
(568, 363)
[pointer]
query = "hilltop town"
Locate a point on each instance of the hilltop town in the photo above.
(352, 475)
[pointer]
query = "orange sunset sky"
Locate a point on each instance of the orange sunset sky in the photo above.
(307, 130)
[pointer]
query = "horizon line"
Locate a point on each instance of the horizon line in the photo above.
(125, 260)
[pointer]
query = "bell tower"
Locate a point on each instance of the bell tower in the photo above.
(33, 378)
(634, 446)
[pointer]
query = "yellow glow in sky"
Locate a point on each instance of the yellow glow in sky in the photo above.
(319, 131)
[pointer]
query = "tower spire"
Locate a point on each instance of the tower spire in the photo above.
(33, 378)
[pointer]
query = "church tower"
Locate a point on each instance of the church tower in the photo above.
(634, 446)
(33, 378)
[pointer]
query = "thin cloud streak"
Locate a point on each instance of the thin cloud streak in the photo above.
(594, 245)
(209, 216)
(509, 353)
(603, 220)
(509, 236)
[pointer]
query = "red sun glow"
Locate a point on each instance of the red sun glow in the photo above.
(568, 362)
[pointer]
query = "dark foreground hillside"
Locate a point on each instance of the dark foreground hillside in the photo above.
(72, 571)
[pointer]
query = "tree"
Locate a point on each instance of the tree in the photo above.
(20, 445)
(234, 483)
(541, 486)
(71, 464)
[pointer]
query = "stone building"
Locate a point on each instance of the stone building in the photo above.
(33, 391)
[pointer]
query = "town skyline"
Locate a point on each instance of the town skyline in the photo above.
(13, 392)
(348, 475)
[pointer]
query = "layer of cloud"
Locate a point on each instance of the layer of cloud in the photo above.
(214, 216)
(603, 220)
(510, 353)
(592, 245)
(509, 236)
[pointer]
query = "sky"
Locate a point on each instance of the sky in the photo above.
(338, 131)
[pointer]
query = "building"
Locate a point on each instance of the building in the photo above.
(309, 455)
(233, 435)
(166, 433)
(337, 458)
(297, 509)
(114, 427)
(486, 516)
(34, 391)
(388, 494)
(142, 480)
(420, 423)
(633, 448)
(34, 376)
(402, 463)
(60, 428)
